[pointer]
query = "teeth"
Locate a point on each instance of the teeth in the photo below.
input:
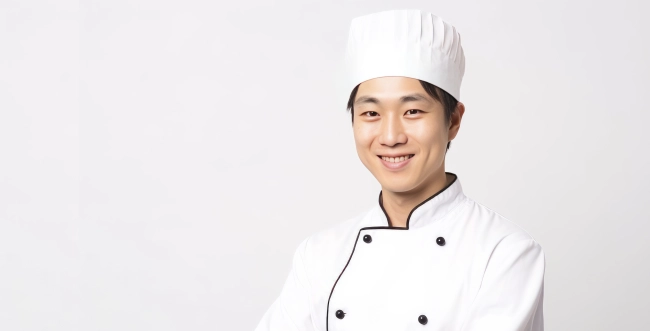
(396, 159)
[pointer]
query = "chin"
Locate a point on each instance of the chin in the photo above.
(397, 185)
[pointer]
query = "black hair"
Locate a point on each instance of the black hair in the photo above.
(449, 103)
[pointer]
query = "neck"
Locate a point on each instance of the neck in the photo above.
(398, 205)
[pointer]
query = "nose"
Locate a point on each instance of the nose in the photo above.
(392, 131)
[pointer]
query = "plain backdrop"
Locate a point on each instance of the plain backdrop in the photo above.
(160, 161)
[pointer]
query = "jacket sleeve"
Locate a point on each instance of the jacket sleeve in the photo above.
(291, 310)
(511, 294)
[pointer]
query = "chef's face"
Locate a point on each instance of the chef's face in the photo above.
(401, 133)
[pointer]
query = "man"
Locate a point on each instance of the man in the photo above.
(426, 256)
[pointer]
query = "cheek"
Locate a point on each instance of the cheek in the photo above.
(428, 135)
(363, 136)
(363, 139)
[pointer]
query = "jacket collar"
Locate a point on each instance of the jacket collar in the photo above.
(430, 210)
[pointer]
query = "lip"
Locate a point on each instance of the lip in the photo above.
(395, 165)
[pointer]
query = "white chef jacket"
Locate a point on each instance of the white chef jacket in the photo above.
(456, 266)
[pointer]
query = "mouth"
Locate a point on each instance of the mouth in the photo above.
(396, 159)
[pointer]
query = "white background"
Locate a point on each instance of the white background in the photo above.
(158, 158)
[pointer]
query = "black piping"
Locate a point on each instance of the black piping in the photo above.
(389, 227)
(408, 220)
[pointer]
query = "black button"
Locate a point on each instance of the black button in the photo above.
(367, 238)
(423, 319)
(340, 314)
(440, 241)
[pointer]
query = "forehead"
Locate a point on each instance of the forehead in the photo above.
(391, 89)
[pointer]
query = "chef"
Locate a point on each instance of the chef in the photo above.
(425, 256)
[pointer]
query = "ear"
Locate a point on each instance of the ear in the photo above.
(454, 121)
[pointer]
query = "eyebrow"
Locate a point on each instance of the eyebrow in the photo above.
(403, 99)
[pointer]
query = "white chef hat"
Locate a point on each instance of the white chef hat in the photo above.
(408, 42)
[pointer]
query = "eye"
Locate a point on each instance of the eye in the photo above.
(413, 111)
(369, 113)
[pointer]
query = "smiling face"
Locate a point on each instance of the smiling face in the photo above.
(401, 133)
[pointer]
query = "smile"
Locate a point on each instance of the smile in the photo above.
(395, 163)
(396, 159)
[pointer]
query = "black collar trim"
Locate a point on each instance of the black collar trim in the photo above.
(408, 220)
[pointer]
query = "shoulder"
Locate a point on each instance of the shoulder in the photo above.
(328, 249)
(505, 246)
(488, 223)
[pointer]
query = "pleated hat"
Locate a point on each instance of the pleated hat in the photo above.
(407, 42)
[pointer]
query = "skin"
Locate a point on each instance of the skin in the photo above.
(388, 125)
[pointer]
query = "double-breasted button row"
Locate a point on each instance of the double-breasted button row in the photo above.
(422, 318)
(368, 239)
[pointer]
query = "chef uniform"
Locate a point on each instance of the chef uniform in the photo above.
(457, 265)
